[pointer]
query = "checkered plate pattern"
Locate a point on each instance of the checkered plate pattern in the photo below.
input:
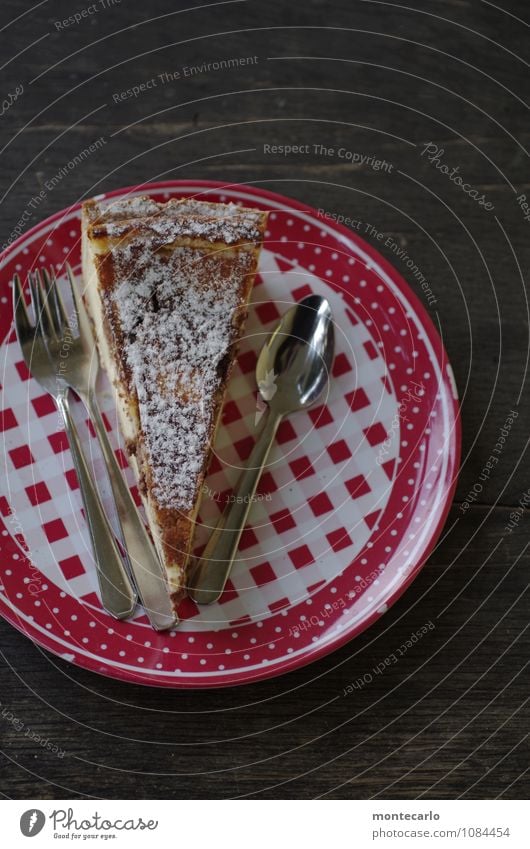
(352, 500)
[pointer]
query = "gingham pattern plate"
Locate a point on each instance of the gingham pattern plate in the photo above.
(352, 501)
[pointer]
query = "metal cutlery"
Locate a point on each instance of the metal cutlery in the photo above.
(41, 348)
(292, 373)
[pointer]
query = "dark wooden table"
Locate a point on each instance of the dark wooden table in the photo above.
(383, 79)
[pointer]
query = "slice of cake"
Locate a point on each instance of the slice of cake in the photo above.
(167, 287)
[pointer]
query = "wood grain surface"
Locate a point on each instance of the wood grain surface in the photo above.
(382, 79)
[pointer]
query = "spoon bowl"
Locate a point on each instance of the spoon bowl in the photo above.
(294, 365)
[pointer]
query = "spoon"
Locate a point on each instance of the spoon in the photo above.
(292, 372)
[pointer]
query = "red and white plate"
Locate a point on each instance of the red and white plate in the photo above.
(352, 502)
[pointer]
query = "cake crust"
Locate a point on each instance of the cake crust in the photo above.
(167, 287)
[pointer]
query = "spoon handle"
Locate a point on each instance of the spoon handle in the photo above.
(213, 568)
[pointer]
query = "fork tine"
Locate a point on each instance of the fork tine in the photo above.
(49, 300)
(73, 290)
(43, 319)
(35, 302)
(20, 311)
(82, 319)
(57, 301)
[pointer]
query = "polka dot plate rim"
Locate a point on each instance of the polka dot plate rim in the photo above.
(353, 502)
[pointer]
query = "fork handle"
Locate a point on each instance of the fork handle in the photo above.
(117, 594)
(146, 567)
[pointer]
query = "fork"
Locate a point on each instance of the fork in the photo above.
(117, 594)
(80, 370)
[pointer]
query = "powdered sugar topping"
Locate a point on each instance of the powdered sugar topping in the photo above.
(187, 218)
(176, 312)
